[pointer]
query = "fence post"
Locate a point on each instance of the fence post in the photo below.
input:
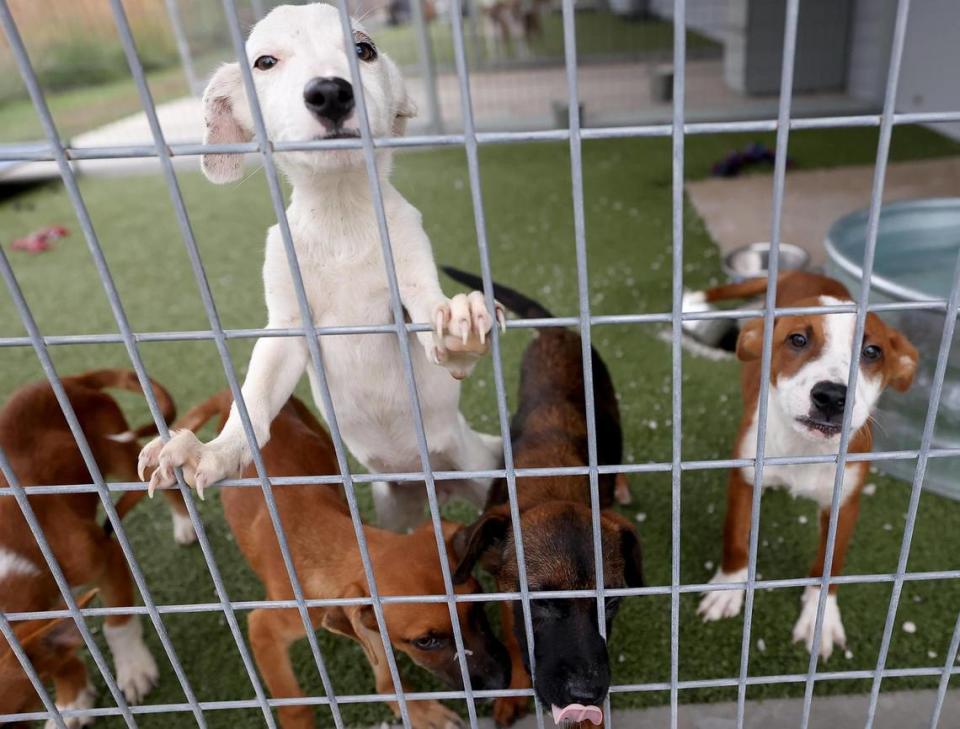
(428, 70)
(183, 46)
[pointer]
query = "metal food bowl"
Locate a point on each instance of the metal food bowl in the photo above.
(752, 260)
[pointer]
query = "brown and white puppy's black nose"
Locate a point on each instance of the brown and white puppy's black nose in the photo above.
(828, 399)
(329, 99)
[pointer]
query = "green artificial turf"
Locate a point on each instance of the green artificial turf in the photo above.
(526, 191)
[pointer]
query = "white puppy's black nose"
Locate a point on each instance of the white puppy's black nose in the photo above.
(330, 99)
(828, 398)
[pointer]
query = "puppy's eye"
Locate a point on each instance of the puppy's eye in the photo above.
(799, 341)
(872, 352)
(366, 52)
(265, 63)
(428, 642)
(612, 604)
(548, 609)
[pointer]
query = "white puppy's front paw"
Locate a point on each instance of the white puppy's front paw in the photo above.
(202, 463)
(460, 337)
(832, 632)
(718, 604)
(137, 672)
(86, 699)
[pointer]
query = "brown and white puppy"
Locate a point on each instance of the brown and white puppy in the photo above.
(807, 395)
(37, 440)
(324, 548)
(50, 646)
(550, 429)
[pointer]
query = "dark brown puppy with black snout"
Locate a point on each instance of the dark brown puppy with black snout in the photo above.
(550, 429)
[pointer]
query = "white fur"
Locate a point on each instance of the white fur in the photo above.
(334, 228)
(695, 301)
(718, 604)
(183, 531)
(12, 563)
(126, 436)
(792, 394)
(789, 399)
(136, 670)
(86, 699)
(813, 480)
(832, 632)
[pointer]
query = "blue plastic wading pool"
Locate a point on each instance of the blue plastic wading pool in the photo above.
(917, 248)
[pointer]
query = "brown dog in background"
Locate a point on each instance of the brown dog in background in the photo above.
(550, 429)
(41, 449)
(324, 548)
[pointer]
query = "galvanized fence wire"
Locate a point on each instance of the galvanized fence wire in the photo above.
(63, 155)
(583, 294)
(676, 353)
(229, 369)
(476, 195)
(873, 226)
(70, 183)
(779, 182)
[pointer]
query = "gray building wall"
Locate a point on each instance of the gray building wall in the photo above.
(755, 45)
(871, 34)
(930, 73)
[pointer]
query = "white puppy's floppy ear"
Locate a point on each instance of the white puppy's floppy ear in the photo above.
(222, 98)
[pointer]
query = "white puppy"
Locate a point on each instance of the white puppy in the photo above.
(300, 68)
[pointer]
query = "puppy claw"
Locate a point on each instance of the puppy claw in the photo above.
(501, 320)
(160, 478)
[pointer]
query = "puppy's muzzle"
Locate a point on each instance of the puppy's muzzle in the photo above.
(828, 399)
(329, 99)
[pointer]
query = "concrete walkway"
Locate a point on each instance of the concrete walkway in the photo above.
(737, 210)
(614, 93)
(895, 710)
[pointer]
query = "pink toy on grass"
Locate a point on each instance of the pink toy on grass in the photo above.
(40, 240)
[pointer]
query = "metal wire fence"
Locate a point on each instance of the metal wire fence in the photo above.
(470, 140)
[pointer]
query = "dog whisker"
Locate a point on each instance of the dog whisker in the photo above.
(257, 169)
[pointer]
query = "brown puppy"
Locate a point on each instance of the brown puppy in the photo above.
(37, 440)
(550, 429)
(51, 647)
(323, 543)
(807, 396)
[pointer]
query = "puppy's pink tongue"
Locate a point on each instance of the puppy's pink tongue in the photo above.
(577, 713)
